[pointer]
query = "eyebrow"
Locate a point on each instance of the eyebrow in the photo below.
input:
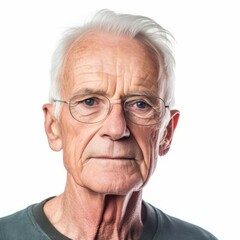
(102, 92)
(88, 91)
(142, 93)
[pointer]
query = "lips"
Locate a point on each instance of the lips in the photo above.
(113, 157)
(112, 151)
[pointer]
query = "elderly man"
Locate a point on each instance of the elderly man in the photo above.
(110, 114)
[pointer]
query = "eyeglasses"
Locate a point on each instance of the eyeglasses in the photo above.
(139, 109)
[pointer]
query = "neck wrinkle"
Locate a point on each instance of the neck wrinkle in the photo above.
(79, 213)
(122, 217)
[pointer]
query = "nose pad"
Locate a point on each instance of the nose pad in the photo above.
(115, 125)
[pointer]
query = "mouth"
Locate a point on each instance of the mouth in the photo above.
(114, 158)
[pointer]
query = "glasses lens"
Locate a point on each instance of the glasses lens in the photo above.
(144, 110)
(139, 109)
(89, 108)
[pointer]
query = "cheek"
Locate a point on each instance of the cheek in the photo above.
(75, 138)
(148, 140)
(154, 142)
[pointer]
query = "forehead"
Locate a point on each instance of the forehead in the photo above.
(110, 64)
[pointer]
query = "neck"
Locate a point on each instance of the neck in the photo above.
(82, 214)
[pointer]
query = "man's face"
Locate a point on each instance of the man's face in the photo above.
(114, 156)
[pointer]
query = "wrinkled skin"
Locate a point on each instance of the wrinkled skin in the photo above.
(109, 162)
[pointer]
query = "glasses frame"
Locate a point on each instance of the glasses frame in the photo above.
(111, 103)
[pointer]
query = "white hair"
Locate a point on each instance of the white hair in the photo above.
(142, 28)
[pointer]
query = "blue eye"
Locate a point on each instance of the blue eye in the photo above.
(89, 101)
(142, 104)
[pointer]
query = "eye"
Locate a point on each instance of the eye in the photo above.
(86, 102)
(138, 105)
(89, 101)
(141, 104)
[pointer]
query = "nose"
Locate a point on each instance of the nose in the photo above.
(115, 126)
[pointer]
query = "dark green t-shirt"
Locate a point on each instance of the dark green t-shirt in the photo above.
(32, 224)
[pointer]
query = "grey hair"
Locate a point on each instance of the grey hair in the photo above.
(158, 39)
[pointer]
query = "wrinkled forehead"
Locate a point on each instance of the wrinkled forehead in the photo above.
(99, 56)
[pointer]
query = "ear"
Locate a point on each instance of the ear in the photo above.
(168, 136)
(52, 129)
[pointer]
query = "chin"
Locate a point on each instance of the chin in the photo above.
(115, 185)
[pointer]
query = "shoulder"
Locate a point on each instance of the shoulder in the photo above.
(20, 225)
(176, 229)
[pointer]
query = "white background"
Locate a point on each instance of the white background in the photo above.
(199, 178)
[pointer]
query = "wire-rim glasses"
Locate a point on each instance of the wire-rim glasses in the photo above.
(139, 109)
